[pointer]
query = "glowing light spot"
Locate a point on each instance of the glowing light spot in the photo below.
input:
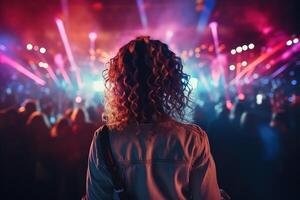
(251, 46)
(29, 46)
(8, 91)
(194, 82)
(239, 49)
(241, 96)
(232, 67)
(43, 65)
(259, 99)
(78, 99)
(93, 36)
(294, 82)
(255, 76)
(233, 51)
(244, 63)
(169, 34)
(43, 50)
(98, 86)
(36, 48)
(229, 104)
(245, 47)
(289, 42)
(295, 40)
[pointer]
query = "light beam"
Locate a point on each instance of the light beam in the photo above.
(6, 60)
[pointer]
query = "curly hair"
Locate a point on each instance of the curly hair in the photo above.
(145, 82)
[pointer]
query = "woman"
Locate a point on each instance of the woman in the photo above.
(157, 156)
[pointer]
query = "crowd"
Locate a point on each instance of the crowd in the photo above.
(255, 147)
(40, 160)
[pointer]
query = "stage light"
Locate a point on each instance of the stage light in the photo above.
(244, 63)
(231, 67)
(259, 99)
(245, 47)
(78, 99)
(255, 76)
(12, 63)
(93, 36)
(29, 47)
(42, 50)
(268, 66)
(251, 46)
(233, 51)
(98, 86)
(43, 65)
(229, 105)
(241, 96)
(289, 42)
(294, 82)
(239, 49)
(194, 82)
(8, 91)
(2, 47)
(295, 40)
(169, 34)
(36, 48)
(63, 35)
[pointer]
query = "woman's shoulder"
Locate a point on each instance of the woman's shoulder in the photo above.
(191, 128)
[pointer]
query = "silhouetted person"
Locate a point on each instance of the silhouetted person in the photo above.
(158, 156)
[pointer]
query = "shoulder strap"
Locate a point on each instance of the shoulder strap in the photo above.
(109, 160)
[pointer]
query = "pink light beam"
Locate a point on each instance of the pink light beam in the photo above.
(63, 35)
(6, 60)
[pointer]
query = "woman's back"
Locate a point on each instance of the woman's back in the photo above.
(166, 160)
(159, 158)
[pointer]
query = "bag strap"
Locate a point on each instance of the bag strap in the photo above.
(109, 160)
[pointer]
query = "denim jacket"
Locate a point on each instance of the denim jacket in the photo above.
(166, 160)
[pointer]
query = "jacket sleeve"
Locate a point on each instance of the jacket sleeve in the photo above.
(203, 180)
(99, 184)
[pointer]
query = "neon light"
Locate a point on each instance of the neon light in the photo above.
(142, 12)
(250, 68)
(6, 60)
(63, 35)
(60, 63)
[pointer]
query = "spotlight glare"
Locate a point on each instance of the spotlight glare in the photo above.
(29, 46)
(233, 51)
(194, 82)
(289, 42)
(229, 105)
(251, 46)
(241, 96)
(259, 99)
(294, 82)
(295, 40)
(245, 47)
(239, 49)
(231, 67)
(42, 50)
(98, 86)
(43, 65)
(244, 63)
(78, 99)
(255, 76)
(169, 34)
(93, 36)
(36, 48)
